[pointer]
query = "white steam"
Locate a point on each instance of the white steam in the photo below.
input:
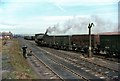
(79, 25)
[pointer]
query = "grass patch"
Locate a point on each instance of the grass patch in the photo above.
(0, 45)
(21, 68)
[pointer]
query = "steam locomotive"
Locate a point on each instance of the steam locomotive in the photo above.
(102, 44)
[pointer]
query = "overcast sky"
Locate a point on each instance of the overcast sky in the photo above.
(70, 16)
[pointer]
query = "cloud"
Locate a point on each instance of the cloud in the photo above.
(38, 15)
(67, 24)
(2, 26)
(83, 2)
(19, 1)
(60, 7)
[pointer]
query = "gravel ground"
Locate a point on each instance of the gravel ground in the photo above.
(6, 66)
(0, 59)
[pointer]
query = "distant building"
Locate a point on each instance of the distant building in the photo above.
(6, 35)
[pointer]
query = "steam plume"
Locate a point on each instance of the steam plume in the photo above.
(80, 25)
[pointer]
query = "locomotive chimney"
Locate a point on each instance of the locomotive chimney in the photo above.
(46, 32)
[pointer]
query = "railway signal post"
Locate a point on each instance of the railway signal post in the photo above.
(89, 27)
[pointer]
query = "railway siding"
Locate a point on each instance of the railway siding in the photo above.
(102, 62)
(76, 69)
(57, 68)
(44, 71)
(100, 69)
(42, 54)
(64, 73)
(71, 67)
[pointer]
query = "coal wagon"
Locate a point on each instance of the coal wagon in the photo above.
(109, 45)
(81, 42)
(101, 44)
(29, 37)
(62, 42)
(49, 41)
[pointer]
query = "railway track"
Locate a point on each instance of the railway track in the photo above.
(104, 57)
(88, 60)
(97, 69)
(109, 59)
(41, 69)
(45, 71)
(78, 65)
(75, 68)
(57, 69)
(63, 58)
(76, 55)
(100, 70)
(76, 71)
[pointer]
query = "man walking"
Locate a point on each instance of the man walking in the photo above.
(24, 51)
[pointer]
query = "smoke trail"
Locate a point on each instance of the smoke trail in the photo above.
(80, 25)
(54, 29)
(103, 25)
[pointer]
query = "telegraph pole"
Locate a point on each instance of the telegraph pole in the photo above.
(90, 48)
